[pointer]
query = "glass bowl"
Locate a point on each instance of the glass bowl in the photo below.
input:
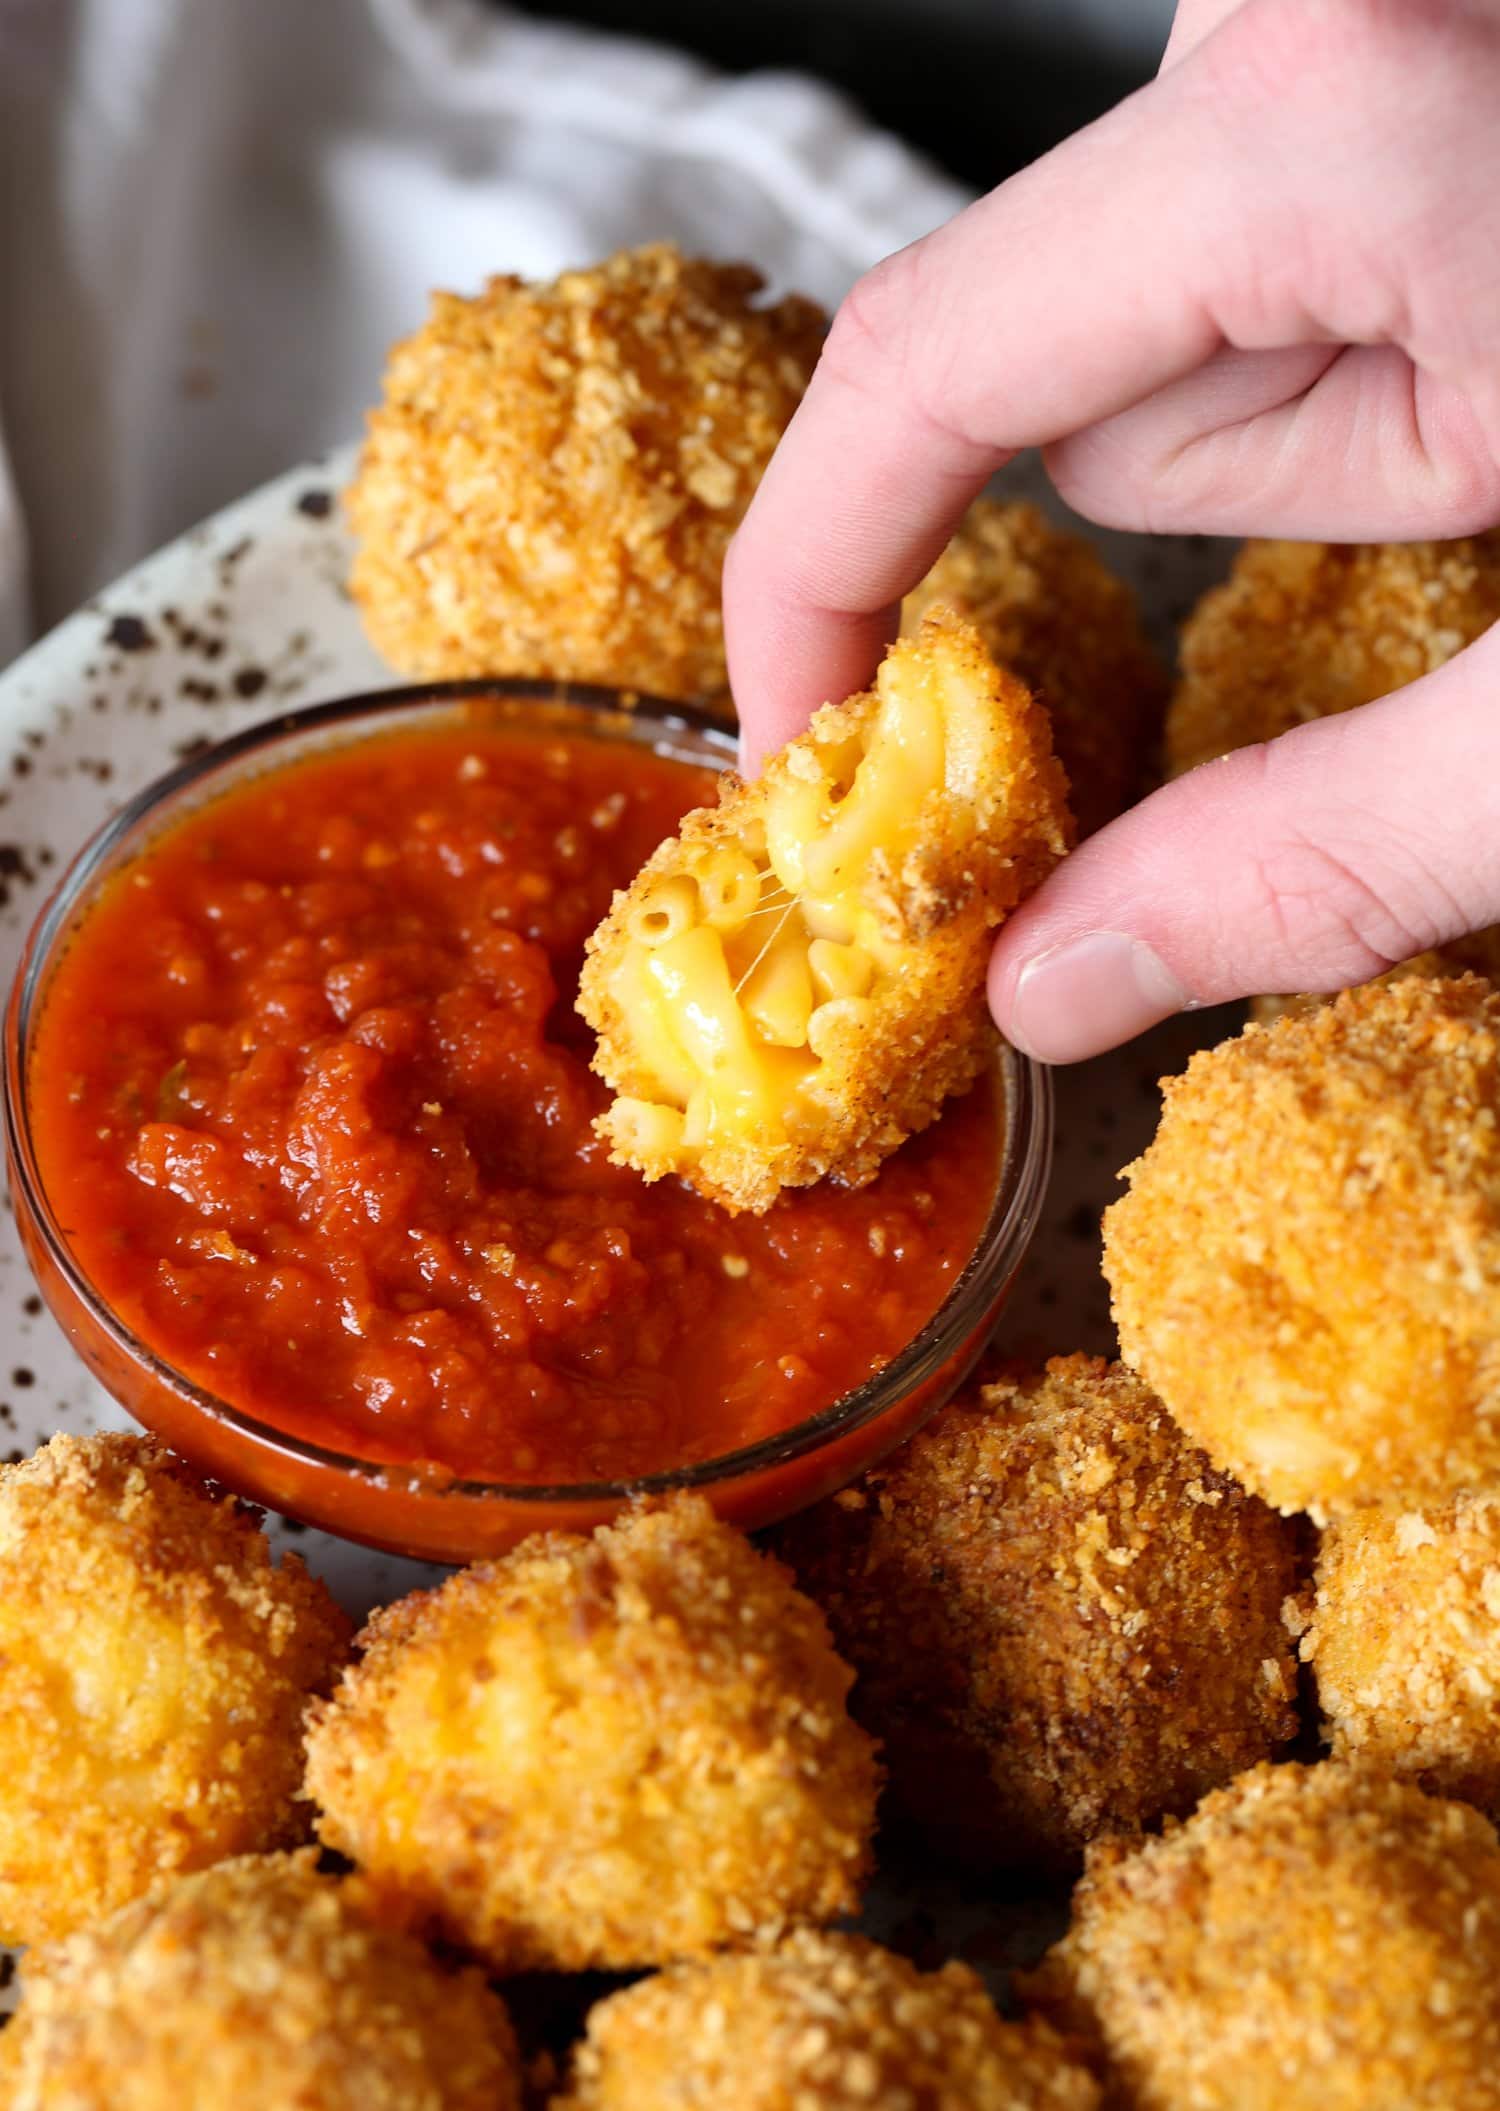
(419, 1511)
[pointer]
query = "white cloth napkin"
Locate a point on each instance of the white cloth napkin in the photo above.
(216, 214)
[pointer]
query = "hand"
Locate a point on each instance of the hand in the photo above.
(1260, 297)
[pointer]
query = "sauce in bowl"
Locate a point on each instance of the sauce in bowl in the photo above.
(312, 1109)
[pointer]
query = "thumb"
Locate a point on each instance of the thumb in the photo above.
(1310, 863)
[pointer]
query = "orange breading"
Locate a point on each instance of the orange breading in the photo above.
(1302, 630)
(1312, 1939)
(1478, 954)
(820, 2023)
(1305, 630)
(156, 1665)
(254, 1984)
(1405, 1643)
(1050, 609)
(1062, 1620)
(1307, 1263)
(602, 1752)
(552, 480)
(924, 811)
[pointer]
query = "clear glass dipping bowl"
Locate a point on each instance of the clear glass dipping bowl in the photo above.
(419, 1512)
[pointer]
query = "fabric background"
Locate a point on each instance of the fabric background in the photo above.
(216, 214)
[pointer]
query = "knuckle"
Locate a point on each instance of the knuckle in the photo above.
(869, 339)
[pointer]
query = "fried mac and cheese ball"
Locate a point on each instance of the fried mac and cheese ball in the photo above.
(1301, 630)
(552, 480)
(157, 1663)
(1405, 1643)
(1307, 1263)
(820, 2023)
(254, 1984)
(1050, 609)
(602, 1752)
(1062, 1620)
(1312, 1939)
(1304, 630)
(795, 983)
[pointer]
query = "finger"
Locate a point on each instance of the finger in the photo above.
(1112, 269)
(1315, 441)
(1193, 21)
(1310, 863)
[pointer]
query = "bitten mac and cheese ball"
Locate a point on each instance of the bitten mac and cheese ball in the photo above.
(602, 1752)
(1049, 609)
(1305, 630)
(255, 1984)
(1307, 1264)
(820, 2023)
(1311, 1939)
(553, 477)
(795, 983)
(156, 1666)
(1405, 1643)
(1062, 1620)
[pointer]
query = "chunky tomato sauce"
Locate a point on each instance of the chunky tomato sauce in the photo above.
(313, 1108)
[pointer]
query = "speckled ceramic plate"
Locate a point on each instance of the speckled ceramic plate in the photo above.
(246, 615)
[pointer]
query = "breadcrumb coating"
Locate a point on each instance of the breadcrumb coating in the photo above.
(1405, 1643)
(1307, 1261)
(1304, 630)
(1049, 608)
(1477, 954)
(922, 855)
(553, 477)
(1063, 1621)
(602, 1752)
(1301, 630)
(254, 1984)
(157, 1663)
(821, 2023)
(1312, 1939)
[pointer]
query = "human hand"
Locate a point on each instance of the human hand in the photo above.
(1262, 296)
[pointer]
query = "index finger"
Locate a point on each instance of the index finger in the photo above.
(1097, 275)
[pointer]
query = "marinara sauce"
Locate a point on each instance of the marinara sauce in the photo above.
(313, 1107)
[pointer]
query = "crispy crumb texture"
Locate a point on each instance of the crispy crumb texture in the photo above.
(1405, 1643)
(1063, 1621)
(602, 1752)
(795, 983)
(1307, 1263)
(1304, 630)
(1049, 608)
(820, 2023)
(157, 1663)
(1312, 1939)
(254, 1984)
(552, 479)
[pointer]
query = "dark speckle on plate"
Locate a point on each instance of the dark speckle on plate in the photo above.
(250, 681)
(317, 505)
(130, 634)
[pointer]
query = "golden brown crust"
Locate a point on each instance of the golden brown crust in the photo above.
(1478, 954)
(254, 1983)
(1063, 1621)
(978, 844)
(156, 1667)
(1312, 1939)
(1307, 1261)
(1405, 1643)
(820, 2023)
(602, 1752)
(1302, 630)
(1050, 609)
(551, 482)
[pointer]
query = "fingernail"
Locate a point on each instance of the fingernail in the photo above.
(1089, 994)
